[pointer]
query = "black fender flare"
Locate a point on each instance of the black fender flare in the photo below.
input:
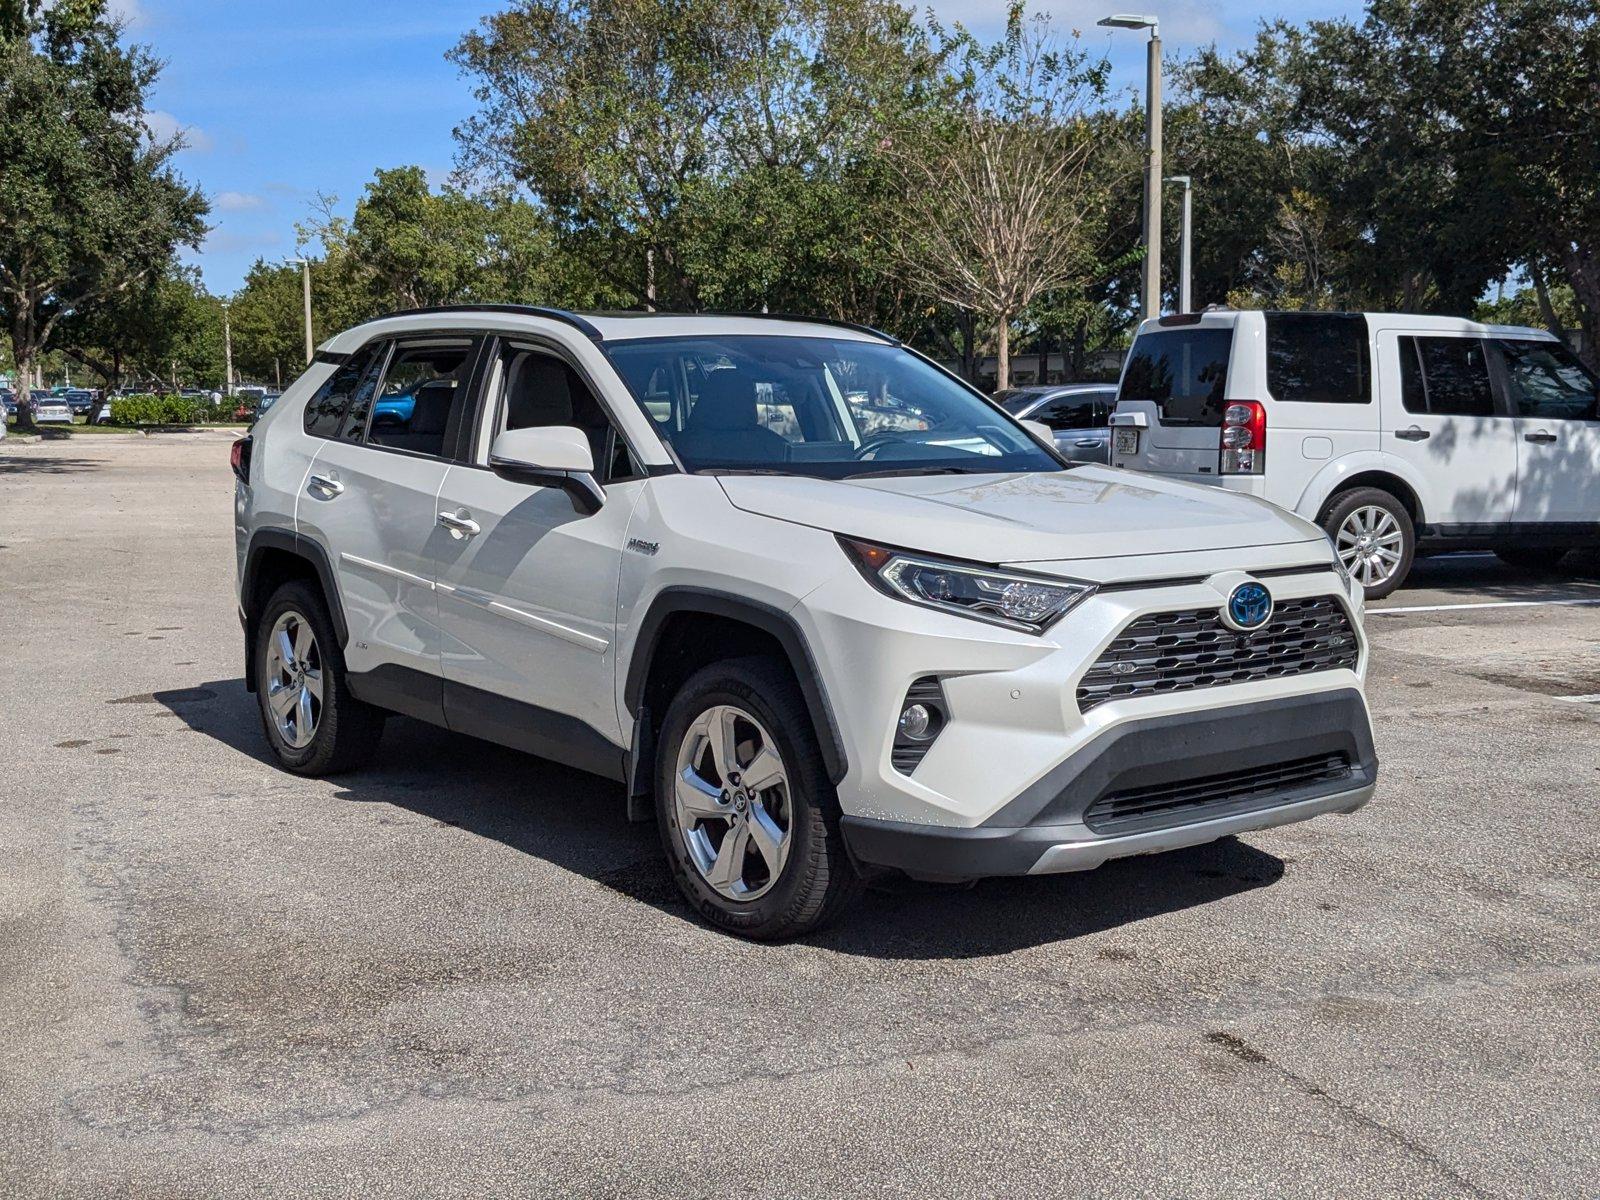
(273, 537)
(764, 617)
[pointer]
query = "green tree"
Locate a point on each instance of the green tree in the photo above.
(645, 128)
(89, 203)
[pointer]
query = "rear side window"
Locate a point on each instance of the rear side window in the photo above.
(1546, 381)
(1318, 358)
(420, 406)
(327, 409)
(1446, 376)
(1182, 371)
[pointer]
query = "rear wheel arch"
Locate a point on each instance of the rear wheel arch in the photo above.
(275, 557)
(687, 628)
(1383, 481)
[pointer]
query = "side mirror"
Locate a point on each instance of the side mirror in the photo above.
(1041, 431)
(550, 456)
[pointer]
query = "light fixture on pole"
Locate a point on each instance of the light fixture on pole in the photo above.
(305, 266)
(1185, 300)
(1151, 293)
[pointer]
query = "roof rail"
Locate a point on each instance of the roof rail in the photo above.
(525, 310)
(837, 324)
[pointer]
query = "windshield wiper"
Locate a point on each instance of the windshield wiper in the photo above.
(746, 471)
(891, 471)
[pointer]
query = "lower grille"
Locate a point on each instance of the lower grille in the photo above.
(1179, 651)
(1185, 801)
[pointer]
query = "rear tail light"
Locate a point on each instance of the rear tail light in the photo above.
(239, 458)
(1244, 438)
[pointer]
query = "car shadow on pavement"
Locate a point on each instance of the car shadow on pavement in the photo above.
(577, 822)
(12, 464)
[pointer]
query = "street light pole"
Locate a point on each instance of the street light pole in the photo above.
(227, 353)
(1151, 297)
(305, 267)
(1185, 299)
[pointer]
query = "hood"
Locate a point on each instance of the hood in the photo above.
(1087, 512)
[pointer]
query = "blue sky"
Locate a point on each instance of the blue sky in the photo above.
(281, 101)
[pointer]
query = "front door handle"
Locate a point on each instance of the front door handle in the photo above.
(323, 484)
(1414, 434)
(460, 525)
(1539, 436)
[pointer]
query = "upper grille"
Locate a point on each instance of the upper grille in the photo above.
(1164, 804)
(1179, 651)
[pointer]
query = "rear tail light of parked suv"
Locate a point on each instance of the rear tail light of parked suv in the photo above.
(239, 458)
(1244, 438)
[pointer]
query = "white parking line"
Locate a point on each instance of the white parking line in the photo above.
(1422, 608)
(1594, 699)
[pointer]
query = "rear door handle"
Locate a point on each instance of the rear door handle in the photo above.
(323, 484)
(1413, 434)
(1539, 436)
(460, 525)
(1087, 443)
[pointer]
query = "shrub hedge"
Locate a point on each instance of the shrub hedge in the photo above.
(166, 410)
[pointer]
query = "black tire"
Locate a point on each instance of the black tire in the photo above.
(1538, 559)
(347, 730)
(817, 879)
(1345, 504)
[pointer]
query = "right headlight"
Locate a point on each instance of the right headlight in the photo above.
(1030, 603)
(1338, 563)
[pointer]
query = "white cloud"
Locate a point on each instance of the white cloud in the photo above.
(163, 125)
(237, 201)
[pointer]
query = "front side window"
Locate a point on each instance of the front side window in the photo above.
(1083, 410)
(1318, 358)
(1184, 371)
(825, 407)
(419, 408)
(535, 388)
(326, 411)
(1449, 376)
(1547, 381)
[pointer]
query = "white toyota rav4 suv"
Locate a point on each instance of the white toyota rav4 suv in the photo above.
(822, 608)
(1399, 434)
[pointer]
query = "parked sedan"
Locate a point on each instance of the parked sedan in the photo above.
(51, 410)
(1077, 414)
(79, 400)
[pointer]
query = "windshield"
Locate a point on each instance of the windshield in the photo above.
(817, 406)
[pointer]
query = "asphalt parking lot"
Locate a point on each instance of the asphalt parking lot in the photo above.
(461, 973)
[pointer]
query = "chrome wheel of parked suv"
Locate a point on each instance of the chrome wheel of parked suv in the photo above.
(294, 679)
(732, 802)
(748, 817)
(314, 724)
(1374, 538)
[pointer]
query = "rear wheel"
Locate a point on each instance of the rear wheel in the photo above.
(748, 817)
(313, 723)
(1374, 538)
(1532, 558)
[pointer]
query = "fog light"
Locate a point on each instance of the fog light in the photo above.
(915, 721)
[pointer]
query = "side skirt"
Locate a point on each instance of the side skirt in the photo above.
(527, 727)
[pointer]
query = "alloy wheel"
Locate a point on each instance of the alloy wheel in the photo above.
(294, 679)
(1370, 544)
(732, 801)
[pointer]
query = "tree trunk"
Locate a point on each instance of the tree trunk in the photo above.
(1583, 274)
(1002, 365)
(1547, 311)
(24, 394)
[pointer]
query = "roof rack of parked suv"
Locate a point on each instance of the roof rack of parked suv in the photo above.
(581, 322)
(527, 310)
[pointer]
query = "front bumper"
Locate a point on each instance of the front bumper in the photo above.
(1047, 828)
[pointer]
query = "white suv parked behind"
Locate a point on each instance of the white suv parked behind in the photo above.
(692, 554)
(1397, 434)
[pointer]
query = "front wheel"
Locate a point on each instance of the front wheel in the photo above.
(748, 817)
(1373, 535)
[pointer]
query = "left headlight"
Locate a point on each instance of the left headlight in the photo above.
(1029, 603)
